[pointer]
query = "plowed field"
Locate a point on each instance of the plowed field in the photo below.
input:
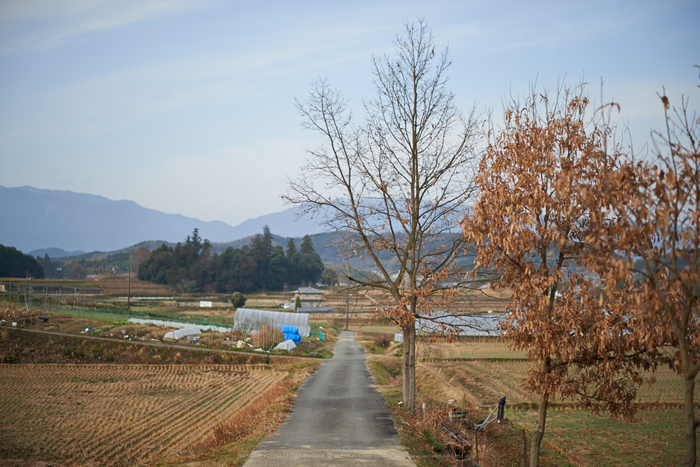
(119, 414)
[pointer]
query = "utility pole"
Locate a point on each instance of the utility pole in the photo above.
(347, 308)
(128, 299)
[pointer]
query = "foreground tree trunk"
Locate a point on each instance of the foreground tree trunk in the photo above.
(539, 431)
(409, 367)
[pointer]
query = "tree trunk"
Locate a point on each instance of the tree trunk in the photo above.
(539, 431)
(409, 367)
(690, 447)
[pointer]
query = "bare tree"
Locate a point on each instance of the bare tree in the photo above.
(657, 238)
(397, 182)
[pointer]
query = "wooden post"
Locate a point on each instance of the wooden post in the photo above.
(523, 448)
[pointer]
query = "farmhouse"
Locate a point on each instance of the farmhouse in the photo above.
(312, 300)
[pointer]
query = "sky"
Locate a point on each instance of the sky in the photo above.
(188, 106)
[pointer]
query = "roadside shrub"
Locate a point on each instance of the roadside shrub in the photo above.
(383, 340)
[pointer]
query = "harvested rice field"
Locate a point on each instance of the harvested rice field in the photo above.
(122, 414)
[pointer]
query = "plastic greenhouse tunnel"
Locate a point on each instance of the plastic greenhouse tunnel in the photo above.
(251, 320)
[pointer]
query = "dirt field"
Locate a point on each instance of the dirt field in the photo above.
(117, 415)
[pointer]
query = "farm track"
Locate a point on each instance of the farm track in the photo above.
(111, 413)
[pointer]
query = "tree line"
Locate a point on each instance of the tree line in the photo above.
(14, 263)
(193, 266)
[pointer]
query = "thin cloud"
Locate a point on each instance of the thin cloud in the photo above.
(46, 24)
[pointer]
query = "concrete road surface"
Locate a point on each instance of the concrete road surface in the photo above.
(339, 419)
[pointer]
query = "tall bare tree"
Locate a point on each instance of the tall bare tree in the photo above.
(656, 237)
(397, 182)
(540, 183)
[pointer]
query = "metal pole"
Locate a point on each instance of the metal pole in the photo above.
(128, 299)
(347, 308)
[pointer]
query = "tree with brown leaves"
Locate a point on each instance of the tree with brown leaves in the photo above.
(397, 183)
(538, 185)
(656, 237)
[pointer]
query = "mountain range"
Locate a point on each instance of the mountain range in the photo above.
(65, 223)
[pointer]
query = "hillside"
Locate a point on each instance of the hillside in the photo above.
(47, 221)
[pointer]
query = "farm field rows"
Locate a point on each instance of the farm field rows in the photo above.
(482, 383)
(118, 414)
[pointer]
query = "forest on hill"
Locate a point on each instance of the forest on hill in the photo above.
(14, 263)
(194, 266)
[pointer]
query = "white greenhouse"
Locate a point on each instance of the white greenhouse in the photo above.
(182, 332)
(250, 320)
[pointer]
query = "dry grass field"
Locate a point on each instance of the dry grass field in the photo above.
(123, 414)
(482, 383)
(478, 373)
(471, 349)
(468, 301)
(107, 285)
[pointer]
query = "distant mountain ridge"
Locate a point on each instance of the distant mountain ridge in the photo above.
(36, 219)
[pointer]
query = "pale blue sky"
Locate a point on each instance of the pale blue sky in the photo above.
(188, 106)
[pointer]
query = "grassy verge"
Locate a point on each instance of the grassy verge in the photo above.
(421, 434)
(575, 437)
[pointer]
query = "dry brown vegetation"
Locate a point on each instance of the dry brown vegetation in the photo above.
(109, 285)
(476, 374)
(481, 383)
(126, 414)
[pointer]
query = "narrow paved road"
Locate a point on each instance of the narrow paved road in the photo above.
(339, 419)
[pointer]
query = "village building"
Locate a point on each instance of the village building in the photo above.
(312, 301)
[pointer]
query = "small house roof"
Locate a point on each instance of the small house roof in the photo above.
(309, 291)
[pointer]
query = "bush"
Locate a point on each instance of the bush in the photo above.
(238, 299)
(383, 340)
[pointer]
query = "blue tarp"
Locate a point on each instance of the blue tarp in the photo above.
(290, 332)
